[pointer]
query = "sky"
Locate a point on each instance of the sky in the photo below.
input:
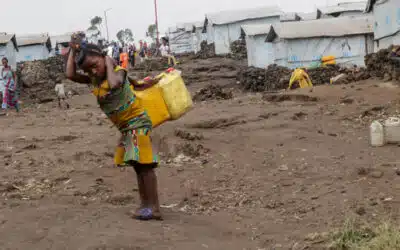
(58, 17)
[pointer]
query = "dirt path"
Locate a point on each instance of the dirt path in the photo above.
(253, 172)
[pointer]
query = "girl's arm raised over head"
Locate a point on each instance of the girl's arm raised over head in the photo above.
(71, 69)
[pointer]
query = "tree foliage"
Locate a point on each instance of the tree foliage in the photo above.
(94, 28)
(125, 36)
(152, 31)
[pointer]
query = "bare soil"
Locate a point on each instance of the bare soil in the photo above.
(251, 172)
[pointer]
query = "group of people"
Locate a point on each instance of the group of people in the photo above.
(8, 87)
(125, 56)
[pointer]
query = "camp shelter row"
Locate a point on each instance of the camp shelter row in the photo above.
(304, 43)
(30, 48)
(223, 28)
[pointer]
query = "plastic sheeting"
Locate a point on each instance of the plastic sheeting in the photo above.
(387, 23)
(349, 50)
(224, 35)
(8, 50)
(33, 52)
(259, 53)
(181, 42)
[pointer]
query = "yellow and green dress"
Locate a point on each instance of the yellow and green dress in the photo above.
(124, 109)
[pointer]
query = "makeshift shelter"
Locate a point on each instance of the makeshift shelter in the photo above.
(60, 43)
(33, 47)
(344, 9)
(259, 53)
(303, 44)
(197, 36)
(181, 38)
(9, 49)
(387, 22)
(224, 27)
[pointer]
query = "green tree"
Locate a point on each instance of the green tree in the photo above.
(94, 28)
(125, 36)
(152, 31)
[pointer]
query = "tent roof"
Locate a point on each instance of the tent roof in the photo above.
(233, 16)
(329, 27)
(344, 7)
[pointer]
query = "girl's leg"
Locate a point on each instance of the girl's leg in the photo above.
(150, 186)
(144, 201)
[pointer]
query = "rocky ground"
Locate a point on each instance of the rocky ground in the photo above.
(240, 171)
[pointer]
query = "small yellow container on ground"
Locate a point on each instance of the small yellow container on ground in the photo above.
(175, 94)
(153, 102)
(328, 58)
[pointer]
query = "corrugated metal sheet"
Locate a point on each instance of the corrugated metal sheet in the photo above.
(344, 7)
(256, 29)
(326, 27)
(232, 16)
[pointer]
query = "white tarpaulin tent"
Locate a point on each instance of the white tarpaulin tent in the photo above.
(181, 38)
(344, 9)
(9, 49)
(33, 47)
(259, 53)
(224, 27)
(387, 22)
(301, 44)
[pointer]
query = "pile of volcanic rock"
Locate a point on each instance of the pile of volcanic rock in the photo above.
(153, 64)
(258, 80)
(344, 75)
(37, 79)
(212, 92)
(379, 65)
(277, 77)
(238, 49)
(206, 50)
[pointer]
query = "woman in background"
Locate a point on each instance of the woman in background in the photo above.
(10, 97)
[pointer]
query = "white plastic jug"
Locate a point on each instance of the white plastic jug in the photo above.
(377, 134)
(392, 130)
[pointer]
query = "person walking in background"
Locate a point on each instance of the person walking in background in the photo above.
(116, 53)
(146, 50)
(123, 58)
(142, 53)
(10, 97)
(132, 52)
(60, 91)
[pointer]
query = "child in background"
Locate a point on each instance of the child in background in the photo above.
(120, 104)
(60, 91)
